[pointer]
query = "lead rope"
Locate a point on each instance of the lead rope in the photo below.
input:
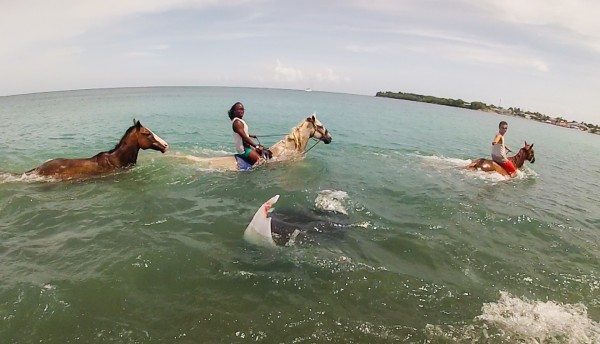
(272, 135)
(306, 151)
(311, 147)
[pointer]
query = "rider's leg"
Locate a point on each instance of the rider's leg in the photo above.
(253, 157)
(510, 168)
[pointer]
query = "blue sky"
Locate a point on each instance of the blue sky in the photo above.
(539, 55)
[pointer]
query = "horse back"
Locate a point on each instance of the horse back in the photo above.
(69, 168)
(487, 165)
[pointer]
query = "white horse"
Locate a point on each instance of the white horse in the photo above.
(290, 147)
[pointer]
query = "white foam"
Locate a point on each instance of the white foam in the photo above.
(519, 320)
(496, 177)
(445, 161)
(541, 322)
(332, 200)
(24, 178)
(493, 177)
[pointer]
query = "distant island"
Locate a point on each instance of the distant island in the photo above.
(536, 116)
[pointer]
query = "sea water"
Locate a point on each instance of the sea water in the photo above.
(432, 253)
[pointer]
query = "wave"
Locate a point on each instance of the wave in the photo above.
(519, 320)
(24, 178)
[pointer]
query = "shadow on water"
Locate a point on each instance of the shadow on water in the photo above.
(300, 225)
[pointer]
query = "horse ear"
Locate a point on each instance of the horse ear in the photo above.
(137, 123)
(312, 118)
(525, 142)
(133, 120)
(531, 146)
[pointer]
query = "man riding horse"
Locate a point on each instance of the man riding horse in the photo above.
(244, 145)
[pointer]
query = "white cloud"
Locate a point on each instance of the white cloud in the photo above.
(147, 52)
(26, 23)
(66, 44)
(368, 49)
(286, 73)
(308, 74)
(159, 47)
(139, 54)
(500, 57)
(577, 18)
(326, 74)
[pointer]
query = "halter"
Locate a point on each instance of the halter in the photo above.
(306, 150)
(313, 137)
(522, 154)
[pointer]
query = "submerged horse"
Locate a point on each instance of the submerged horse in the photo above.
(525, 154)
(123, 155)
(290, 147)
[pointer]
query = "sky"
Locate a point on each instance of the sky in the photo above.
(537, 55)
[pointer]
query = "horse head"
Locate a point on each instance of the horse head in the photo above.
(146, 139)
(529, 153)
(318, 131)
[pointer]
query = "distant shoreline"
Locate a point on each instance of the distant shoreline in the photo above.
(517, 112)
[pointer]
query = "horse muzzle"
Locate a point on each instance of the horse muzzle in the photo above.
(160, 147)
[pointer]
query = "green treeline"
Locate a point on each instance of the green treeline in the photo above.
(434, 100)
(536, 116)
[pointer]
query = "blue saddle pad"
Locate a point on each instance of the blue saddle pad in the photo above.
(243, 165)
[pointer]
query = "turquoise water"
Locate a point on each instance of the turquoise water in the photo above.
(429, 252)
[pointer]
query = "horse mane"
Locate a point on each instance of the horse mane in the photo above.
(295, 135)
(121, 141)
(519, 158)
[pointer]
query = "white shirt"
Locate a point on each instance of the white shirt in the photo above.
(238, 142)
(499, 152)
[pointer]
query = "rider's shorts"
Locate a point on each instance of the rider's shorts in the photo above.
(509, 167)
(246, 153)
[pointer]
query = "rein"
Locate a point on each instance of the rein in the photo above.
(273, 135)
(311, 147)
(305, 151)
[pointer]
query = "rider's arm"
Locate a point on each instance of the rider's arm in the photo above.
(238, 127)
(496, 139)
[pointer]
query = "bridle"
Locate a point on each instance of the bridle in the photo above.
(319, 129)
(316, 129)
(523, 155)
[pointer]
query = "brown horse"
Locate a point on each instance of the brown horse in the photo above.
(486, 165)
(123, 155)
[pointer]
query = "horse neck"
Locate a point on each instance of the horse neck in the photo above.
(126, 153)
(297, 139)
(519, 159)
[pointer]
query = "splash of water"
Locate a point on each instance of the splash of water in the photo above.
(541, 322)
(332, 200)
(24, 178)
(519, 320)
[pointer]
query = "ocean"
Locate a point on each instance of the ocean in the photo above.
(417, 250)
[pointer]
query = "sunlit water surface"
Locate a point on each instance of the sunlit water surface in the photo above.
(427, 251)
